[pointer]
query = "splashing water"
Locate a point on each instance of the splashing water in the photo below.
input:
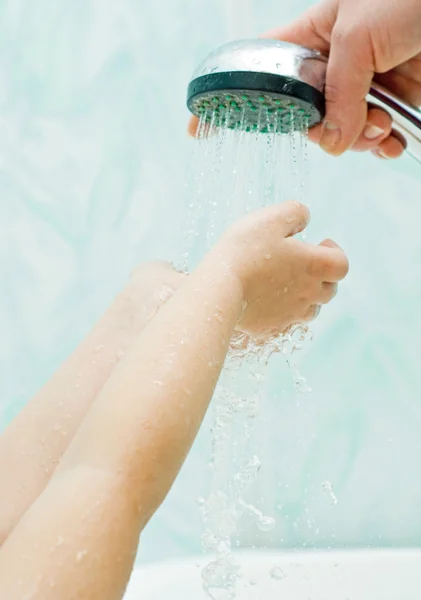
(234, 462)
(234, 466)
(236, 172)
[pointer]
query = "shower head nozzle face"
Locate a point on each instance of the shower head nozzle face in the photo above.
(259, 85)
(257, 102)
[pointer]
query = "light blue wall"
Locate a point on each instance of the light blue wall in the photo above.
(93, 160)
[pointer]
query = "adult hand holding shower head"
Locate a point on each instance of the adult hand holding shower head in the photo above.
(240, 79)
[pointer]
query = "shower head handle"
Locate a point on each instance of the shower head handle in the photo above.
(406, 119)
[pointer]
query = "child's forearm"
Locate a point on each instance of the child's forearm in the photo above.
(33, 444)
(128, 451)
(154, 403)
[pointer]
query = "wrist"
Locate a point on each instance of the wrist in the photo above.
(219, 271)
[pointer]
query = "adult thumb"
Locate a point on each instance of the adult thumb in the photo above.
(349, 75)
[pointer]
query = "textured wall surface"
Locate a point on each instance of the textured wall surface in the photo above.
(93, 159)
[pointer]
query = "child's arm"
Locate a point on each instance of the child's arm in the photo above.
(35, 441)
(79, 538)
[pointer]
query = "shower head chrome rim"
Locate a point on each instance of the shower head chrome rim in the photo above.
(260, 85)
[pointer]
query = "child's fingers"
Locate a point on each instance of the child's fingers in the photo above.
(288, 218)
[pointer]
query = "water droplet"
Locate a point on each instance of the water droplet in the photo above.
(266, 523)
(328, 488)
(81, 555)
(277, 573)
(209, 540)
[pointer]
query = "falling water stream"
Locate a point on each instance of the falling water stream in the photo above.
(235, 172)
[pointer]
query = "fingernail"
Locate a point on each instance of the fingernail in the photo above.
(371, 132)
(382, 154)
(330, 138)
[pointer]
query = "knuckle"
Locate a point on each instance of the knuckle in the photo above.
(333, 93)
(355, 37)
(346, 34)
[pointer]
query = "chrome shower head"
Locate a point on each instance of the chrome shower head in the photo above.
(241, 79)
(268, 85)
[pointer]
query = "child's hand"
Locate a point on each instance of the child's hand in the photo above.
(283, 279)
